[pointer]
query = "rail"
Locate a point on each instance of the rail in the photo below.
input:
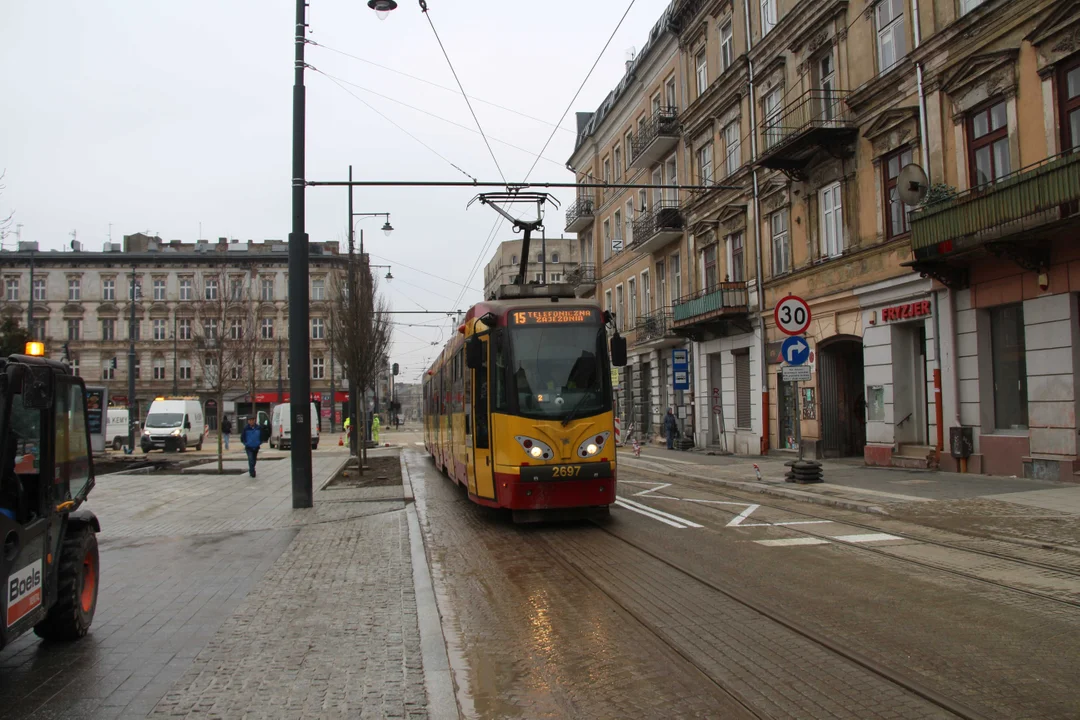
(654, 326)
(582, 208)
(582, 274)
(664, 121)
(665, 215)
(722, 297)
(815, 108)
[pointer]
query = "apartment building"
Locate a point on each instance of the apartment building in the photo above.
(82, 300)
(551, 260)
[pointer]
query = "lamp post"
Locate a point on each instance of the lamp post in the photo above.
(132, 412)
(175, 353)
(280, 370)
(30, 306)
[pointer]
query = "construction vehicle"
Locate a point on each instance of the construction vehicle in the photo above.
(49, 563)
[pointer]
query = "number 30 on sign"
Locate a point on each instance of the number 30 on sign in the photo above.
(792, 315)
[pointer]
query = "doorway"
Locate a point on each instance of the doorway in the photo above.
(645, 378)
(785, 410)
(911, 415)
(842, 400)
(716, 401)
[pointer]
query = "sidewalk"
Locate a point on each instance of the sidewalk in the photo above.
(1020, 509)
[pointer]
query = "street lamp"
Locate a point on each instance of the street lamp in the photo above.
(382, 8)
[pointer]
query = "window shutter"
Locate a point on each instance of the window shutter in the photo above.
(742, 389)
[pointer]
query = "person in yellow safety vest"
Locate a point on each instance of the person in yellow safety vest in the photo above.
(348, 424)
(375, 429)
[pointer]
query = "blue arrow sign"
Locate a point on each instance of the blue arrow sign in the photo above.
(795, 350)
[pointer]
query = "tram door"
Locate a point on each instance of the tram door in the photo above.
(482, 478)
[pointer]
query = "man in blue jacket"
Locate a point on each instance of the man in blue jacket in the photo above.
(251, 438)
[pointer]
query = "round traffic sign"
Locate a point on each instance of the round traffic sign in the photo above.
(792, 315)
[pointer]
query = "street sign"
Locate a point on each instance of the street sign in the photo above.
(792, 315)
(680, 369)
(795, 350)
(796, 373)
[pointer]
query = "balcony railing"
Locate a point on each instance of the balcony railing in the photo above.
(656, 137)
(583, 274)
(817, 118)
(726, 298)
(580, 215)
(1017, 203)
(660, 225)
(657, 325)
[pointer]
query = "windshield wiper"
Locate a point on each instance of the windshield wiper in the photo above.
(573, 412)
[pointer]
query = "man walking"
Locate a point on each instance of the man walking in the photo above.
(251, 438)
(670, 428)
(226, 430)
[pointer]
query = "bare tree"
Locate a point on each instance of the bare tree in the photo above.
(224, 336)
(5, 222)
(359, 334)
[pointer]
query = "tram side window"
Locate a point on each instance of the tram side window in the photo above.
(481, 406)
(500, 402)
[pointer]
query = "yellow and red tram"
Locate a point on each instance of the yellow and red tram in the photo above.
(518, 406)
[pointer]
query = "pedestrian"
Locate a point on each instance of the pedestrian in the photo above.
(226, 430)
(670, 428)
(375, 424)
(251, 438)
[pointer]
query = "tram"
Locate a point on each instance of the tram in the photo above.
(518, 406)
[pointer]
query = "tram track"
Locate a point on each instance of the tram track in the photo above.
(1035, 564)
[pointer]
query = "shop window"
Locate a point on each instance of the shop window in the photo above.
(742, 389)
(988, 144)
(896, 219)
(1010, 367)
(1069, 100)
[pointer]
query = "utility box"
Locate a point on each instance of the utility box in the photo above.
(961, 442)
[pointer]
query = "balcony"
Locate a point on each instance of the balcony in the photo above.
(1012, 218)
(713, 312)
(580, 215)
(582, 278)
(818, 119)
(656, 138)
(656, 330)
(659, 226)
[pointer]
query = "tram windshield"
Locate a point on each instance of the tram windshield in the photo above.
(558, 370)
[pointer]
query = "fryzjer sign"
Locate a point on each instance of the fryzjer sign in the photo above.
(907, 311)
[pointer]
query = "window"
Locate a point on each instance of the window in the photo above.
(159, 329)
(185, 369)
(74, 289)
(646, 294)
(620, 306)
(159, 288)
(655, 108)
(236, 329)
(39, 329)
(712, 273)
(671, 178)
(676, 277)
(607, 300)
(236, 289)
(318, 329)
(618, 161)
(183, 328)
(768, 16)
(607, 171)
(661, 278)
(554, 258)
(108, 372)
(211, 289)
(539, 257)
(267, 289)
(607, 239)
(1008, 355)
(643, 201)
(74, 363)
(770, 106)
(210, 366)
(108, 329)
(555, 277)
(266, 329)
(186, 292)
(832, 220)
(268, 368)
(135, 330)
(159, 368)
(705, 164)
(891, 43)
(513, 259)
(701, 62)
(108, 289)
(629, 223)
(11, 289)
(210, 329)
(39, 288)
(134, 290)
(237, 370)
(742, 388)
(74, 329)
(731, 148)
(318, 368)
(1069, 100)
(896, 219)
(727, 46)
(538, 277)
(967, 6)
(781, 252)
(318, 289)
(631, 290)
(736, 261)
(826, 77)
(988, 137)
(138, 368)
(669, 93)
(617, 241)
(628, 143)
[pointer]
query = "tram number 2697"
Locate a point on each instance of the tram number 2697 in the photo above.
(565, 471)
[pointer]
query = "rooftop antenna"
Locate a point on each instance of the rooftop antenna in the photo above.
(110, 233)
(514, 196)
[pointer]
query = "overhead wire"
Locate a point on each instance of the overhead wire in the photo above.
(423, 272)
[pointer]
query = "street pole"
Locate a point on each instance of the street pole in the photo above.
(333, 396)
(280, 370)
(175, 379)
(132, 412)
(30, 306)
(353, 410)
(300, 384)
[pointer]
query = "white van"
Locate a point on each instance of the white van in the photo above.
(116, 427)
(173, 424)
(281, 427)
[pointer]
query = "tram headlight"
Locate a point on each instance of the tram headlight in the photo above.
(534, 448)
(536, 451)
(593, 444)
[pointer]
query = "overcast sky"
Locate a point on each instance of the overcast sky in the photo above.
(166, 116)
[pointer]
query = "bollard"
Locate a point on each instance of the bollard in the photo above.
(803, 472)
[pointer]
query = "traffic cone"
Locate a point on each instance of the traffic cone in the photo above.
(340, 441)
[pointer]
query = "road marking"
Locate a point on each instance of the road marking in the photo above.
(681, 520)
(737, 520)
(655, 486)
(621, 504)
(420, 444)
(792, 541)
(790, 522)
(868, 537)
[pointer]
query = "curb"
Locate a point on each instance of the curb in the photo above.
(332, 475)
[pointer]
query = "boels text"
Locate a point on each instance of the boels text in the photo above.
(23, 585)
(24, 592)
(908, 311)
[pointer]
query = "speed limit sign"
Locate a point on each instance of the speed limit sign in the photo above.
(792, 315)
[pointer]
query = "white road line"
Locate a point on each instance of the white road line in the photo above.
(659, 486)
(868, 537)
(622, 504)
(419, 444)
(676, 518)
(737, 520)
(792, 541)
(792, 522)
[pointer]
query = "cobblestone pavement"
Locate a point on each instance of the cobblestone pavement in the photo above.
(219, 600)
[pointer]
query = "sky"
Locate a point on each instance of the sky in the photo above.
(129, 116)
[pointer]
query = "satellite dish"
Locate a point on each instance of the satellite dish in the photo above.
(912, 184)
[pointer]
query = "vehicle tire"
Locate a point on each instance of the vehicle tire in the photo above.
(146, 451)
(181, 445)
(77, 588)
(198, 445)
(117, 444)
(314, 446)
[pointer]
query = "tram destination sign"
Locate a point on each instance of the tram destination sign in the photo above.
(570, 316)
